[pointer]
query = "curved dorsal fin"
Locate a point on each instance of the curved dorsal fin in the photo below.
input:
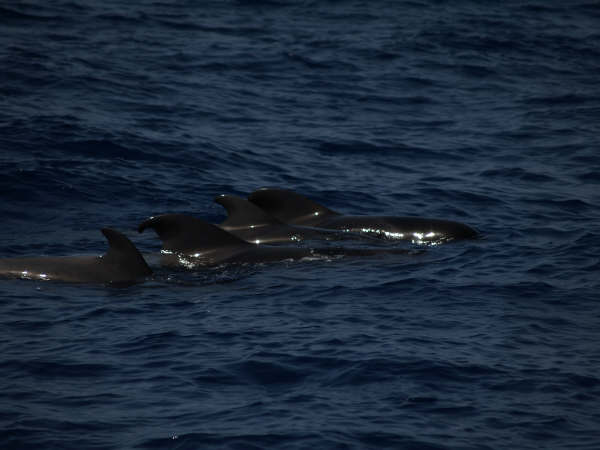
(122, 253)
(243, 214)
(289, 207)
(181, 233)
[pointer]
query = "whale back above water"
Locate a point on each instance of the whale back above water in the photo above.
(293, 208)
(251, 223)
(290, 207)
(181, 233)
(416, 229)
(242, 213)
(121, 263)
(190, 242)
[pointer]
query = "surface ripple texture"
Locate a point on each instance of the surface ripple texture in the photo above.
(486, 113)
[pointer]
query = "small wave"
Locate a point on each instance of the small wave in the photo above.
(553, 100)
(245, 440)
(590, 177)
(366, 148)
(150, 342)
(312, 62)
(57, 369)
(17, 16)
(383, 370)
(518, 173)
(573, 206)
(458, 196)
(119, 18)
(267, 373)
(583, 381)
(477, 71)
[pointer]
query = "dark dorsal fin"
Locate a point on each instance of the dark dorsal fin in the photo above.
(181, 233)
(243, 214)
(288, 206)
(123, 254)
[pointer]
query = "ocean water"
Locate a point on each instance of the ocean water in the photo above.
(482, 112)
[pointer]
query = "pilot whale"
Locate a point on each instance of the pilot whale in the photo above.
(293, 208)
(190, 242)
(250, 223)
(121, 263)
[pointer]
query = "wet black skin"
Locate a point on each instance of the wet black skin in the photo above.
(292, 208)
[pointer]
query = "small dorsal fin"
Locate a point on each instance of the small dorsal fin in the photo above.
(289, 207)
(182, 233)
(123, 254)
(243, 214)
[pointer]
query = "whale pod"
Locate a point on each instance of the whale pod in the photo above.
(190, 242)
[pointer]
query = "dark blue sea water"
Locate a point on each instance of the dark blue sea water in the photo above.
(483, 112)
